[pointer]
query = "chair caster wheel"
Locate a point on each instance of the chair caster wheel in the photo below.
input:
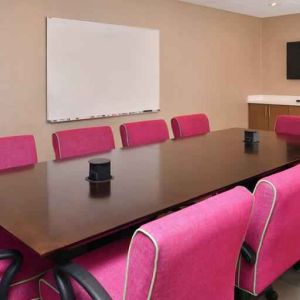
(272, 295)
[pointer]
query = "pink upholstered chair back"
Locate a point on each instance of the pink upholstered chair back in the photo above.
(17, 151)
(190, 125)
(273, 231)
(288, 125)
(192, 253)
(84, 141)
(144, 133)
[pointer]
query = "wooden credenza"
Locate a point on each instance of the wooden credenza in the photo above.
(263, 116)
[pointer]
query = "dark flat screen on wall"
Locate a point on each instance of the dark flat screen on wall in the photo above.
(293, 60)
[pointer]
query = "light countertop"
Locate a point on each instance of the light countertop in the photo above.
(274, 99)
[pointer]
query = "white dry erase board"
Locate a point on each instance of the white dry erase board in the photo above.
(100, 70)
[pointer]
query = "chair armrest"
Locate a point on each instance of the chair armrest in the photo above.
(16, 261)
(85, 279)
(248, 254)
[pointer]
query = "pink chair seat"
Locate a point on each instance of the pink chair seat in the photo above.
(183, 255)
(17, 151)
(288, 125)
(144, 133)
(109, 269)
(84, 141)
(273, 231)
(190, 125)
(25, 284)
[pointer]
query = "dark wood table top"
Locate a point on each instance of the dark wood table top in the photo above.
(51, 206)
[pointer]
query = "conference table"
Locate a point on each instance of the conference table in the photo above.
(52, 208)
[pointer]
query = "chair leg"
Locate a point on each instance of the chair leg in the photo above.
(241, 295)
(271, 294)
(297, 266)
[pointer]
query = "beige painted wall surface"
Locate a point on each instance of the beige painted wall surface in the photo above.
(210, 61)
(276, 32)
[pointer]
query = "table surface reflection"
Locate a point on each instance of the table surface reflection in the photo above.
(51, 206)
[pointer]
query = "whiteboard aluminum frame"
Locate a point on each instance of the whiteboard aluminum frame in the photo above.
(103, 116)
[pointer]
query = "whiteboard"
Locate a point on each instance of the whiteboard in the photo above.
(100, 70)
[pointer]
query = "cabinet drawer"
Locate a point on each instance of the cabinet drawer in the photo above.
(258, 116)
(274, 112)
(294, 110)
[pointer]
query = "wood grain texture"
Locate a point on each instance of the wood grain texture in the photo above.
(51, 206)
(294, 110)
(275, 111)
(263, 116)
(258, 116)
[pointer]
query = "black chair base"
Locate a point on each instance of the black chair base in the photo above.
(268, 294)
(16, 259)
(271, 294)
(296, 266)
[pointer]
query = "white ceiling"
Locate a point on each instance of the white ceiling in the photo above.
(257, 8)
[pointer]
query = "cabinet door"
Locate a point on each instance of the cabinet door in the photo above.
(274, 112)
(258, 116)
(295, 110)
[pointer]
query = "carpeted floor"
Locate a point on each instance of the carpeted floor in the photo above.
(288, 286)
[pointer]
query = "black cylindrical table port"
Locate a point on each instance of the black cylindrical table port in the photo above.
(99, 170)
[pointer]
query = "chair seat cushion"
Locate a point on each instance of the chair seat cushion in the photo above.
(25, 284)
(109, 271)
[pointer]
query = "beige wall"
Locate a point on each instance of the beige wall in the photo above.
(276, 32)
(210, 61)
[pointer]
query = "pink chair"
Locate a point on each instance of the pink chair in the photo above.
(288, 125)
(84, 141)
(17, 151)
(190, 125)
(189, 254)
(273, 233)
(20, 267)
(144, 133)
